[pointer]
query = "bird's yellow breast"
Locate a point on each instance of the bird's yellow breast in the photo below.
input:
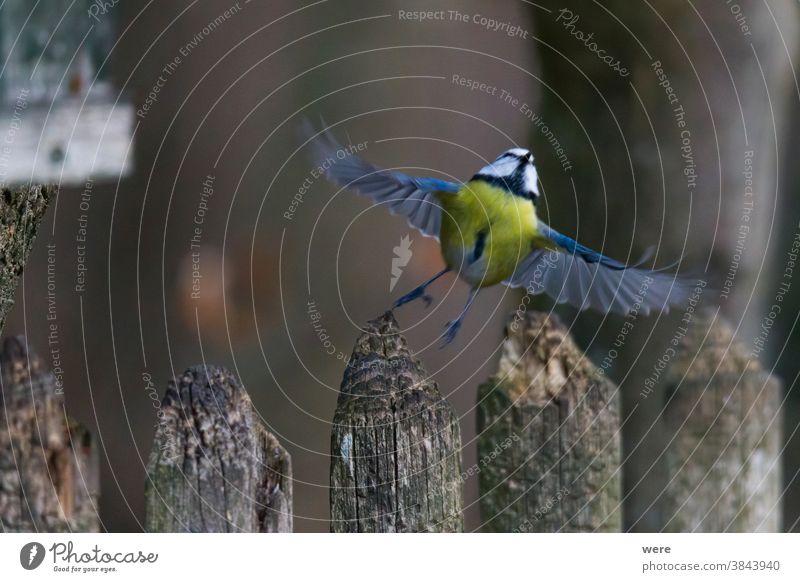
(486, 231)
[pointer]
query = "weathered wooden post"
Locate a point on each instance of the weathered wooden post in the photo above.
(395, 442)
(214, 467)
(548, 435)
(48, 462)
(723, 423)
(21, 211)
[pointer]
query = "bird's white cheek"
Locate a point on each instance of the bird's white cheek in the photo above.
(499, 170)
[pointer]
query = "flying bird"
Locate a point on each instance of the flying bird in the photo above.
(489, 233)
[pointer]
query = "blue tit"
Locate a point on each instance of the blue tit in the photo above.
(489, 233)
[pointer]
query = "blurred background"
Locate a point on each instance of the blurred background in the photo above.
(191, 226)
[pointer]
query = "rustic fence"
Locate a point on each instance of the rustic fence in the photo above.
(559, 420)
(214, 467)
(548, 444)
(548, 437)
(48, 462)
(396, 444)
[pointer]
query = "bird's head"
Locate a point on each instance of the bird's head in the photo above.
(513, 170)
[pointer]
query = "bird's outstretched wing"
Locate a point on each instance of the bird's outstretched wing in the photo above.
(410, 196)
(585, 279)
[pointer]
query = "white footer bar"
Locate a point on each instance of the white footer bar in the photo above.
(387, 557)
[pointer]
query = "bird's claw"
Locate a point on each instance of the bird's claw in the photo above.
(450, 334)
(411, 296)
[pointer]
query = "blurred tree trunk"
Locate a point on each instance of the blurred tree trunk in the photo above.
(21, 212)
(660, 132)
(787, 337)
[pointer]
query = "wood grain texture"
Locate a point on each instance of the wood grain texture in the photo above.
(395, 442)
(724, 423)
(214, 467)
(21, 211)
(548, 444)
(48, 462)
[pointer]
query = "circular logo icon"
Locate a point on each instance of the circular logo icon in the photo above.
(31, 555)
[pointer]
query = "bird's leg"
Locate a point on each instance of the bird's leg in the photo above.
(453, 326)
(419, 292)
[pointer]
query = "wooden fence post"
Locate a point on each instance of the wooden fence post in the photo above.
(48, 462)
(724, 427)
(395, 442)
(21, 211)
(214, 467)
(548, 436)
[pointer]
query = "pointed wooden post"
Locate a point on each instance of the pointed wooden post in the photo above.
(395, 443)
(214, 467)
(49, 477)
(724, 426)
(548, 436)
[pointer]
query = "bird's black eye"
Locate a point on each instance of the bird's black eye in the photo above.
(529, 156)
